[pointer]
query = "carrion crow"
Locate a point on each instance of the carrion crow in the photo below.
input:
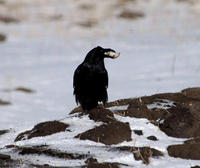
(91, 78)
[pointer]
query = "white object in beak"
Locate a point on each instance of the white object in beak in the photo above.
(112, 54)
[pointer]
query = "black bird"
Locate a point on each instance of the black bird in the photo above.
(91, 78)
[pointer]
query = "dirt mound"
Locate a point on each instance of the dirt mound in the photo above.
(3, 132)
(112, 133)
(8, 19)
(93, 163)
(189, 150)
(127, 14)
(181, 123)
(101, 114)
(2, 37)
(20, 89)
(2, 102)
(4, 157)
(25, 90)
(43, 129)
(138, 132)
(192, 93)
(96, 114)
(177, 114)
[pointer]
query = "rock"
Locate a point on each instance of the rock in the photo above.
(2, 37)
(4, 157)
(177, 114)
(189, 150)
(3, 132)
(87, 23)
(96, 114)
(102, 165)
(2, 102)
(138, 109)
(93, 163)
(101, 114)
(127, 14)
(177, 123)
(111, 133)
(25, 90)
(193, 93)
(8, 19)
(43, 129)
(153, 138)
(138, 132)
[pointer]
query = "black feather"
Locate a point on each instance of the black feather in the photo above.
(91, 79)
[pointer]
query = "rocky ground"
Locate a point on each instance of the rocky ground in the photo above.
(85, 139)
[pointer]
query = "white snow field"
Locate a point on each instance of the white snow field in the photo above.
(160, 52)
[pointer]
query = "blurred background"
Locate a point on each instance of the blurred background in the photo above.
(43, 41)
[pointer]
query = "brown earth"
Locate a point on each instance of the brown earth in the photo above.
(138, 132)
(127, 14)
(93, 163)
(182, 120)
(2, 102)
(43, 129)
(102, 114)
(20, 89)
(2, 37)
(25, 90)
(108, 134)
(3, 132)
(87, 23)
(8, 19)
(4, 157)
(189, 150)
(179, 119)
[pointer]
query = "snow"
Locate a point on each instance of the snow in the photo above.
(162, 104)
(115, 108)
(65, 142)
(158, 53)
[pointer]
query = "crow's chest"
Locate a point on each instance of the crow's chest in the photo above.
(97, 74)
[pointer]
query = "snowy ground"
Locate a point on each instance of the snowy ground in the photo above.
(66, 143)
(159, 53)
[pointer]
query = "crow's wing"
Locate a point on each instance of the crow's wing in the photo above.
(80, 76)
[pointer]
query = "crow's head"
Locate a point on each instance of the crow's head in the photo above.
(98, 53)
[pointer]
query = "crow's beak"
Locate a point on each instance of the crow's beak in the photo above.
(112, 54)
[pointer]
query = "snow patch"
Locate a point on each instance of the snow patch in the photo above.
(161, 104)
